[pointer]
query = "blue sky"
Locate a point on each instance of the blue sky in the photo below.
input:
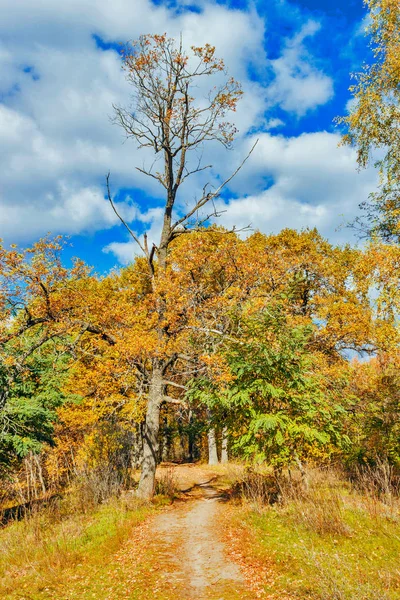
(60, 75)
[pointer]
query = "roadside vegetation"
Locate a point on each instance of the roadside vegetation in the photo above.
(335, 539)
(53, 550)
(69, 547)
(322, 534)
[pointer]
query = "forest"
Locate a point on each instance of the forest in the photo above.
(270, 362)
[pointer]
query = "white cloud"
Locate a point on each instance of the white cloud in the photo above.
(125, 251)
(273, 123)
(351, 105)
(68, 211)
(58, 87)
(315, 184)
(270, 212)
(362, 27)
(299, 86)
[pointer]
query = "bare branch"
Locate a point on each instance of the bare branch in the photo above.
(133, 235)
(149, 174)
(212, 195)
(103, 334)
(177, 385)
(170, 400)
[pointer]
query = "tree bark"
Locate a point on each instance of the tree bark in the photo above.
(165, 449)
(40, 472)
(150, 438)
(224, 447)
(137, 446)
(303, 472)
(212, 447)
(147, 480)
(191, 438)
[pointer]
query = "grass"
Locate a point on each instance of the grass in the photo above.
(330, 543)
(327, 542)
(63, 554)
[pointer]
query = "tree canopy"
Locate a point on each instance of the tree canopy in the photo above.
(373, 124)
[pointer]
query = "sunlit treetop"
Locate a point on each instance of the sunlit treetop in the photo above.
(374, 120)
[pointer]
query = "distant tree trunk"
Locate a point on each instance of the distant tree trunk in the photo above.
(190, 447)
(182, 440)
(28, 487)
(165, 442)
(224, 447)
(40, 472)
(212, 447)
(31, 476)
(303, 472)
(191, 438)
(150, 435)
(137, 447)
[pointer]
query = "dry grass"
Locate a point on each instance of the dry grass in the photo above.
(167, 483)
(321, 506)
(331, 540)
(327, 540)
(39, 551)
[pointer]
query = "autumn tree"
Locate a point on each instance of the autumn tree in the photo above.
(375, 428)
(34, 295)
(258, 327)
(291, 306)
(46, 318)
(278, 405)
(374, 120)
(174, 119)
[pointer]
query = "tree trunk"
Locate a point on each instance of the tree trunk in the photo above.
(303, 472)
(212, 447)
(40, 472)
(191, 438)
(224, 447)
(137, 447)
(183, 445)
(165, 453)
(150, 437)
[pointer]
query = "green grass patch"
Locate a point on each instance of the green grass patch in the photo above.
(330, 545)
(57, 555)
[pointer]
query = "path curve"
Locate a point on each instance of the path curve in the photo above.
(190, 553)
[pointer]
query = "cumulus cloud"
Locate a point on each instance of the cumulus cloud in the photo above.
(125, 251)
(315, 184)
(68, 210)
(57, 87)
(299, 86)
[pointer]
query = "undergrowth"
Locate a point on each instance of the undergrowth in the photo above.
(328, 538)
(167, 483)
(44, 553)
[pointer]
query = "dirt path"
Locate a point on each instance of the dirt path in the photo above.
(188, 550)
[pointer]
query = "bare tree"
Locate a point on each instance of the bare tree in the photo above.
(166, 116)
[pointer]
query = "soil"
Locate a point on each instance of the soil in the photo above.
(188, 545)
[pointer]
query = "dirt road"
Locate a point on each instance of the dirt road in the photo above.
(188, 552)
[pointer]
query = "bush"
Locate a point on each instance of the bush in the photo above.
(166, 483)
(257, 488)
